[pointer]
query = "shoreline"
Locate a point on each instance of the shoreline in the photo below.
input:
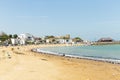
(112, 61)
(30, 65)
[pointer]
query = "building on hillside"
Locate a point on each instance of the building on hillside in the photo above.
(38, 40)
(64, 41)
(51, 40)
(26, 38)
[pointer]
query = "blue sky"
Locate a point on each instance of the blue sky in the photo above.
(89, 19)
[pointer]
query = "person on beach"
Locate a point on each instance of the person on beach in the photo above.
(8, 55)
(63, 54)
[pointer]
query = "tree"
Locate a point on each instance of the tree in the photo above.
(10, 35)
(4, 37)
(77, 39)
(48, 37)
(15, 36)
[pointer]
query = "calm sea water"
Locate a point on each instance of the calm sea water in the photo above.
(101, 51)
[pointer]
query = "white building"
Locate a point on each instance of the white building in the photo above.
(65, 41)
(14, 41)
(47, 41)
(26, 38)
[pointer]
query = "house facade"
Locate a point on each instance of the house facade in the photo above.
(14, 41)
(24, 38)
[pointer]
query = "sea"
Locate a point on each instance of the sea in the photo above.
(108, 53)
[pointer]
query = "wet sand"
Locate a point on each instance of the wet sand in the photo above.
(27, 65)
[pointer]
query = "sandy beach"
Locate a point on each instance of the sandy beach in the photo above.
(19, 63)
